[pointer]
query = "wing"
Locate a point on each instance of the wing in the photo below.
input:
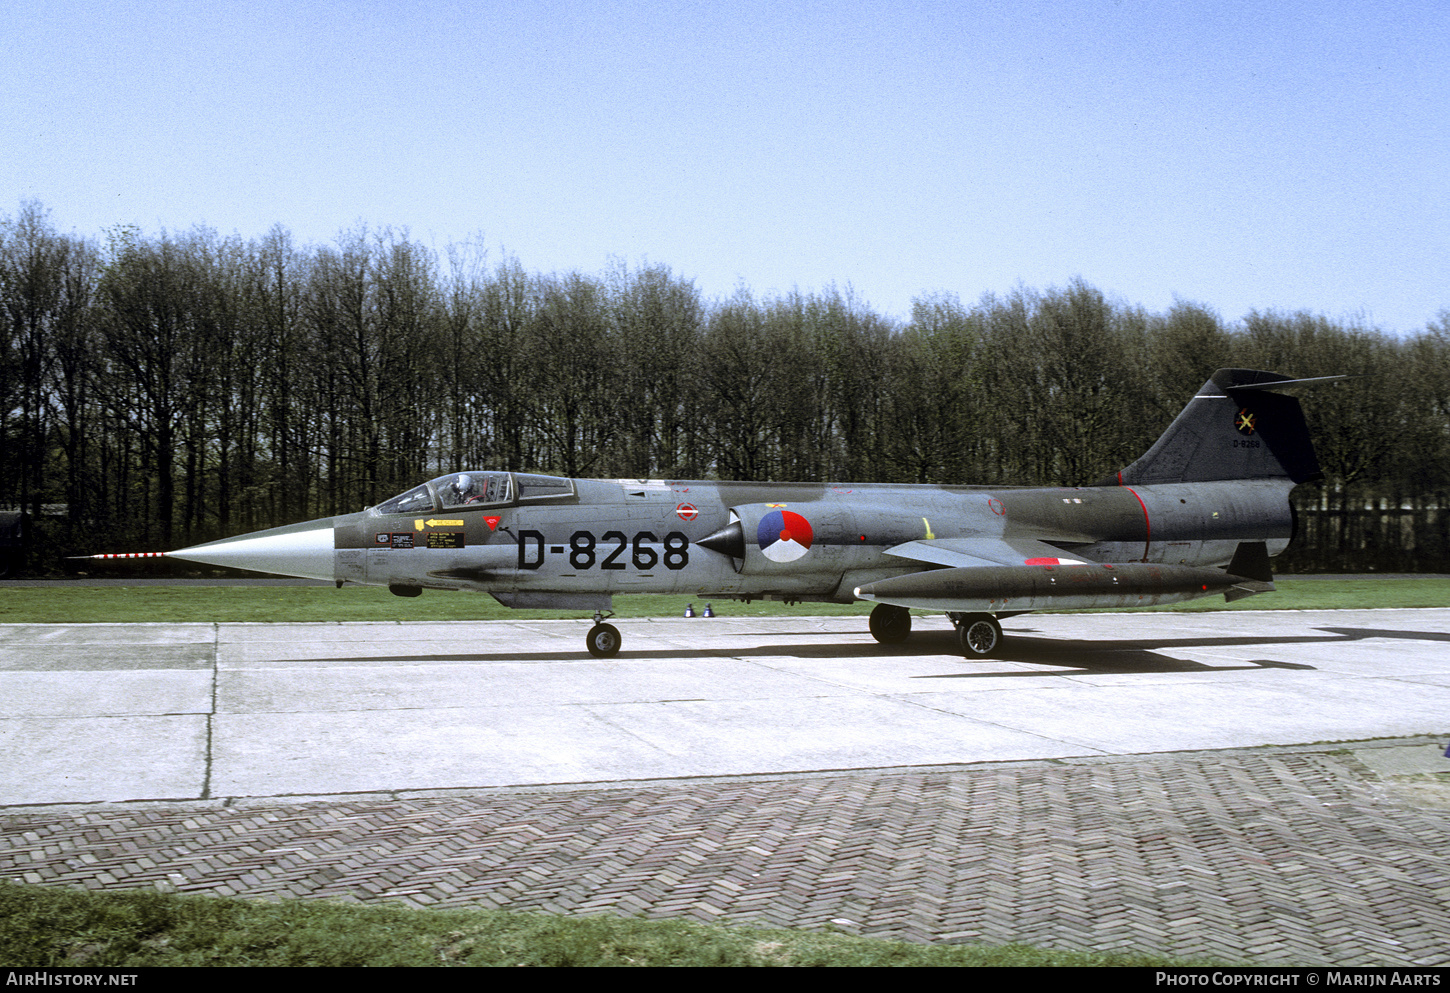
(963, 552)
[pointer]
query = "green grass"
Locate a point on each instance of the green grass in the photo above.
(128, 604)
(1334, 594)
(55, 927)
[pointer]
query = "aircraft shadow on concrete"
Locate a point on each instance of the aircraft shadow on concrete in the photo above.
(1076, 658)
(1089, 655)
(1359, 634)
(1144, 654)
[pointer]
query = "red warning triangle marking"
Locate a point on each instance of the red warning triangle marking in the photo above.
(492, 522)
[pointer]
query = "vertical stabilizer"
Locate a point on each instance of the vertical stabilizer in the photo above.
(1234, 428)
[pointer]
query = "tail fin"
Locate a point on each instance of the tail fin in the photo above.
(1234, 428)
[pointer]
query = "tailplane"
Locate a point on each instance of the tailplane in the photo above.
(1234, 428)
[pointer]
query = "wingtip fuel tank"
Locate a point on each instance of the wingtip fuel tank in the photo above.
(1085, 586)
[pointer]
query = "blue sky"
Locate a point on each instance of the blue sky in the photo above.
(1239, 155)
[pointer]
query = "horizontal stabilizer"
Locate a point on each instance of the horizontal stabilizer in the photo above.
(1278, 384)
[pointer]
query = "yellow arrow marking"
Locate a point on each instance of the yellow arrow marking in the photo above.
(418, 525)
(929, 535)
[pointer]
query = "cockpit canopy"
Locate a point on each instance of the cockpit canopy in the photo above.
(474, 489)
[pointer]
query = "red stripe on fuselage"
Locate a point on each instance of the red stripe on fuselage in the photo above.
(1147, 525)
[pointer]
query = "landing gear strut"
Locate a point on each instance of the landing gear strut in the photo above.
(890, 624)
(603, 640)
(979, 635)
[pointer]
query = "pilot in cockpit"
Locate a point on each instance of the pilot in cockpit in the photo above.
(462, 489)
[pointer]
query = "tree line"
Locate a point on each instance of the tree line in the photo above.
(165, 389)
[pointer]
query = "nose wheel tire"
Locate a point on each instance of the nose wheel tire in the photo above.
(980, 636)
(603, 640)
(890, 624)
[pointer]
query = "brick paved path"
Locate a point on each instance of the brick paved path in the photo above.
(1275, 857)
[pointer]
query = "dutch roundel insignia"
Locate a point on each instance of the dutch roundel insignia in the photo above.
(784, 536)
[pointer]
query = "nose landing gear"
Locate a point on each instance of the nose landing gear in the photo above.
(603, 640)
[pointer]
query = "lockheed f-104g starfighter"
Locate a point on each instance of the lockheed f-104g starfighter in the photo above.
(1201, 513)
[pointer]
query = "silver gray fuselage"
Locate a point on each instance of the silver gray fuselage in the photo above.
(612, 536)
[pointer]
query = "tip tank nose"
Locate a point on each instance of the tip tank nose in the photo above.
(303, 550)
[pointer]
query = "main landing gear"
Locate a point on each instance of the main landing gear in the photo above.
(890, 624)
(603, 640)
(979, 635)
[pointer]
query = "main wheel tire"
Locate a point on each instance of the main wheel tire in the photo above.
(603, 640)
(980, 636)
(890, 624)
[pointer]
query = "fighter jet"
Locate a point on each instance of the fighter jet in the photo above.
(1201, 513)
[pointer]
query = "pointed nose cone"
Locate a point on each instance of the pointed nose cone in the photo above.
(303, 550)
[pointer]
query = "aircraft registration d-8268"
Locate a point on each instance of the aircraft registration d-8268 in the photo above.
(1200, 513)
